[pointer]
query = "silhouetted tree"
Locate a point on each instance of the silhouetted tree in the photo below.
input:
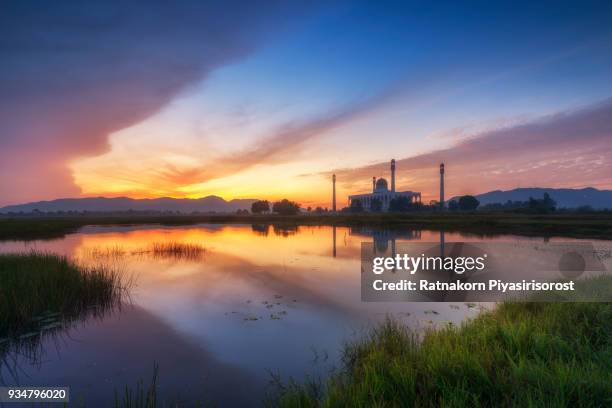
(260, 229)
(543, 206)
(356, 206)
(400, 204)
(285, 230)
(376, 205)
(261, 206)
(468, 203)
(286, 207)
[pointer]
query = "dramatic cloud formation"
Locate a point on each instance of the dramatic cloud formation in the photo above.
(72, 73)
(281, 146)
(570, 149)
(261, 99)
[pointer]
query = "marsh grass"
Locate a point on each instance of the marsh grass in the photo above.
(520, 354)
(39, 289)
(140, 397)
(176, 250)
(159, 250)
(42, 296)
(105, 253)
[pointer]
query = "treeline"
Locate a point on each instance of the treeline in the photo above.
(404, 204)
(282, 207)
(544, 205)
(468, 203)
(401, 204)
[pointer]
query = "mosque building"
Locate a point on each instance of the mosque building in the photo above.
(381, 192)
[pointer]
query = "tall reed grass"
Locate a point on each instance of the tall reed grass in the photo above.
(35, 287)
(140, 397)
(177, 250)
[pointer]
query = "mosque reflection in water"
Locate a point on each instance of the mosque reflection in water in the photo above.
(383, 240)
(390, 242)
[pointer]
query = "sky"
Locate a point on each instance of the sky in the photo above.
(269, 99)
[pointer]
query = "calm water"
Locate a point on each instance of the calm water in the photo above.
(261, 302)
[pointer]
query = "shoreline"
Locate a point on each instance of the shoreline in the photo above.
(571, 225)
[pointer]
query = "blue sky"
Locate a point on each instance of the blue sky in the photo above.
(199, 91)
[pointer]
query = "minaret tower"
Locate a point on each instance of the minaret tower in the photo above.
(393, 175)
(334, 193)
(373, 184)
(442, 185)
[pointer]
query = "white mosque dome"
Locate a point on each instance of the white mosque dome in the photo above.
(381, 185)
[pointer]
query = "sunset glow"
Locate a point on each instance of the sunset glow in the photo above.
(271, 111)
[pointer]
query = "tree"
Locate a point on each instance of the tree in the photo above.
(286, 207)
(453, 205)
(468, 203)
(376, 205)
(400, 204)
(262, 206)
(543, 206)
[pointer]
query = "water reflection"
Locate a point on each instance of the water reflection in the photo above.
(262, 298)
(19, 352)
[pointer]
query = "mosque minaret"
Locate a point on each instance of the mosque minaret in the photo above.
(442, 185)
(334, 193)
(393, 175)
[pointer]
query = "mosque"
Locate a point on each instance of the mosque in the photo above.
(381, 192)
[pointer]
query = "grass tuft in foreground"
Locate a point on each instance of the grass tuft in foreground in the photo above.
(521, 354)
(38, 286)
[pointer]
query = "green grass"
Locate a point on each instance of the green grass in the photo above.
(519, 355)
(35, 287)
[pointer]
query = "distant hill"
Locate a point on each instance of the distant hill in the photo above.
(122, 204)
(565, 197)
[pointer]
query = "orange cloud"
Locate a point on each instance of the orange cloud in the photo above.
(70, 76)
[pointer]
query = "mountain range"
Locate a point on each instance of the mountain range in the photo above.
(565, 197)
(122, 204)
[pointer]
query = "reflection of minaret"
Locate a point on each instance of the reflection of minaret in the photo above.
(334, 198)
(334, 238)
(393, 175)
(442, 244)
(393, 251)
(442, 185)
